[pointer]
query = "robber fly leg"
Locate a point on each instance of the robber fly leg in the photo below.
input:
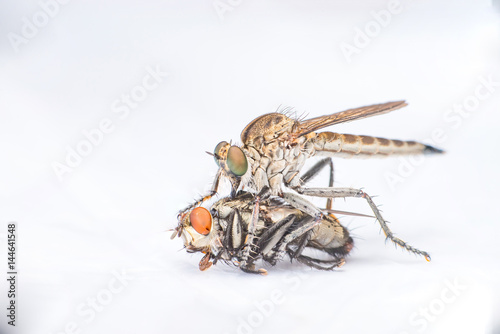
(212, 193)
(314, 170)
(246, 264)
(302, 204)
(329, 201)
(350, 192)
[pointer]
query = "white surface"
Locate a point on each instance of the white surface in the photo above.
(111, 212)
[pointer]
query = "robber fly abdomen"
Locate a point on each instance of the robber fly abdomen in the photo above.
(335, 144)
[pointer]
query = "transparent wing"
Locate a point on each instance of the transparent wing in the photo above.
(316, 123)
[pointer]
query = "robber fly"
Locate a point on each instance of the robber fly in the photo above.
(222, 233)
(276, 146)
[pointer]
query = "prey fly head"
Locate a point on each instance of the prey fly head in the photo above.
(196, 228)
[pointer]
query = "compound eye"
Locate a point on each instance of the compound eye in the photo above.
(201, 220)
(237, 161)
(217, 150)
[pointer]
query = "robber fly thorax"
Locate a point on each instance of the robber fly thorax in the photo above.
(222, 234)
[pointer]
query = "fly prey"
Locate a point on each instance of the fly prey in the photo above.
(223, 233)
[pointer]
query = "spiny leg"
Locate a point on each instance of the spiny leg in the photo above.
(186, 210)
(302, 204)
(314, 170)
(329, 201)
(274, 254)
(270, 238)
(302, 243)
(274, 234)
(309, 261)
(321, 264)
(302, 232)
(312, 262)
(309, 222)
(293, 199)
(233, 236)
(245, 265)
(351, 192)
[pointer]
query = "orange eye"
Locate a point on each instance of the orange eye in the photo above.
(201, 220)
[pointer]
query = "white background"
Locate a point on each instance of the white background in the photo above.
(110, 213)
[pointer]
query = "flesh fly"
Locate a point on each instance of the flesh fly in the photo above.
(225, 233)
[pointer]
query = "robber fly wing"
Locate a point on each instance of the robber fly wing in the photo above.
(316, 123)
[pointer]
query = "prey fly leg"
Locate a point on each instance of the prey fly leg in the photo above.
(248, 251)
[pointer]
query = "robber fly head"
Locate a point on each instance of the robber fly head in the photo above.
(233, 161)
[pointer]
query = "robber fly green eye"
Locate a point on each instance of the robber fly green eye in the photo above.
(236, 160)
(217, 151)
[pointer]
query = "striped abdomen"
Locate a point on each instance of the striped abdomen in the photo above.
(336, 144)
